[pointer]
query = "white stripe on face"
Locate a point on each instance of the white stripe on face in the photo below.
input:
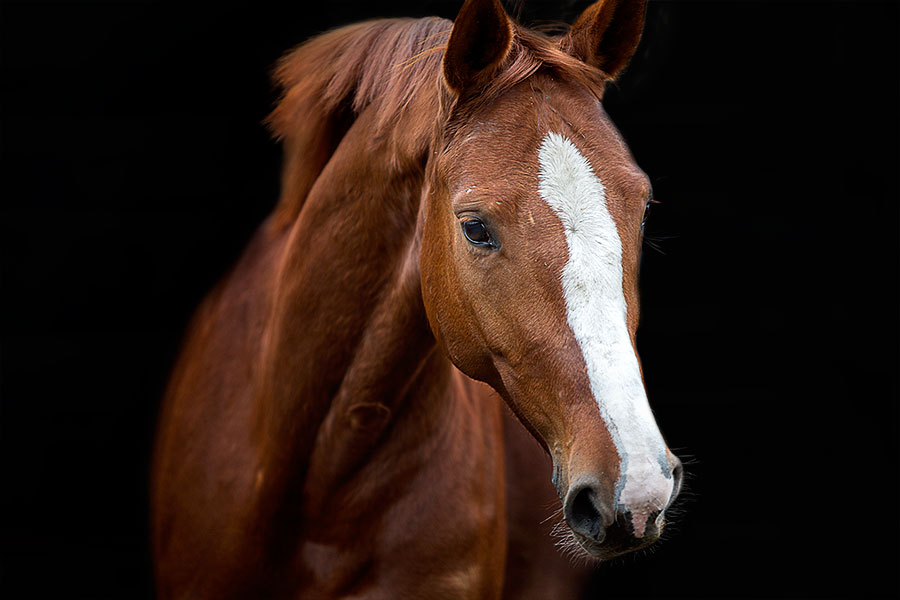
(596, 312)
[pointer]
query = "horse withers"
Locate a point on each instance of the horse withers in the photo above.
(459, 229)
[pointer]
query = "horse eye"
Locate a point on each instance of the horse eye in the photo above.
(646, 213)
(477, 233)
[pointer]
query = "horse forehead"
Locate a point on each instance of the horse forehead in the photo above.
(509, 158)
(582, 200)
(506, 150)
(496, 152)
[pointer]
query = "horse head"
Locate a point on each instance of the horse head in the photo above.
(532, 225)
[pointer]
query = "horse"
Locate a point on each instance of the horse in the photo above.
(430, 342)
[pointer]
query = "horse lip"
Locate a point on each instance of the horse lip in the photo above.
(594, 549)
(603, 551)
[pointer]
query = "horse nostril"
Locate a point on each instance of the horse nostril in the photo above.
(583, 516)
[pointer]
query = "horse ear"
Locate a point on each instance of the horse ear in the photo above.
(479, 41)
(607, 34)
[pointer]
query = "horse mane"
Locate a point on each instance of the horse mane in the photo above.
(383, 65)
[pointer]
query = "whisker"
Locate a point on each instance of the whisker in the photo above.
(558, 513)
(654, 244)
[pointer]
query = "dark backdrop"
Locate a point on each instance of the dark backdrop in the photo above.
(135, 168)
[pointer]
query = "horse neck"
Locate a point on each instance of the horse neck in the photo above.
(348, 335)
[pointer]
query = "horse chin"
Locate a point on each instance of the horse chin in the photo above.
(591, 550)
(609, 549)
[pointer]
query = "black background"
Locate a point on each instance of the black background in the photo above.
(135, 168)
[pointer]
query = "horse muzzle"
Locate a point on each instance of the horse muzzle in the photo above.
(607, 523)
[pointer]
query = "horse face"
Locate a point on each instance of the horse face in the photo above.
(530, 254)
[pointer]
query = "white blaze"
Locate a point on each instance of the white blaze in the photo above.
(596, 312)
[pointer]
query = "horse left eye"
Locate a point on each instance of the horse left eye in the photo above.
(476, 233)
(646, 213)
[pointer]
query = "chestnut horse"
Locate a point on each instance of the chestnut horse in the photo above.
(459, 229)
